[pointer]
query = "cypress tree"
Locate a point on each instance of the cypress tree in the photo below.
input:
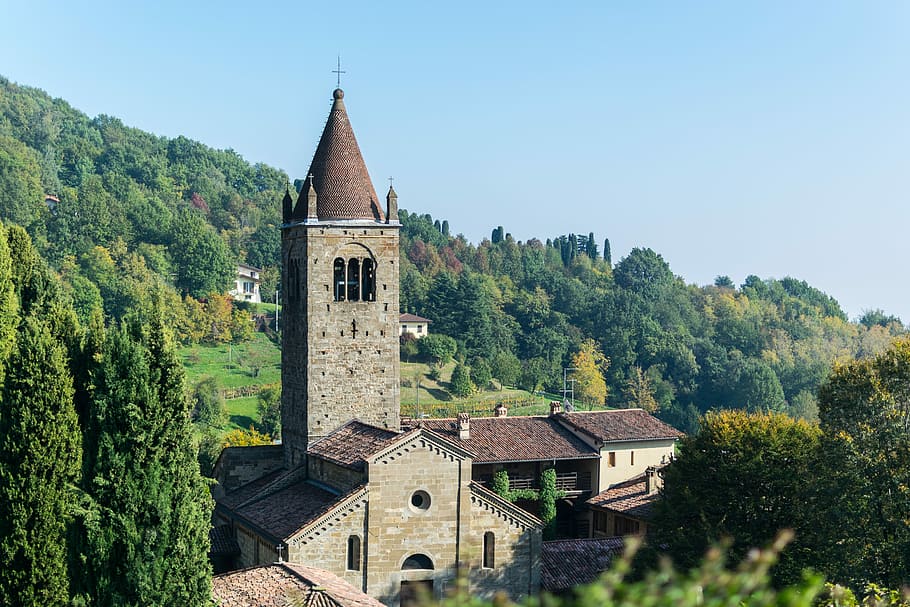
(39, 463)
(146, 542)
(608, 256)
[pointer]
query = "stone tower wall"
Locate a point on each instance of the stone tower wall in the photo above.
(340, 359)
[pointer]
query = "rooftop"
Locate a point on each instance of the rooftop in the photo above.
(620, 425)
(351, 444)
(407, 317)
(629, 498)
(282, 513)
(278, 584)
(569, 563)
(339, 175)
(514, 439)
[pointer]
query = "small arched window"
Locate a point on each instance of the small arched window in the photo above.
(417, 561)
(489, 550)
(354, 553)
(338, 279)
(353, 280)
(368, 270)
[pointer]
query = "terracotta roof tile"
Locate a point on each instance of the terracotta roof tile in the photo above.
(278, 584)
(284, 512)
(628, 497)
(408, 317)
(516, 439)
(569, 563)
(620, 425)
(340, 177)
(350, 444)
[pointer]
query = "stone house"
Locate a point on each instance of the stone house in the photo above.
(418, 326)
(625, 507)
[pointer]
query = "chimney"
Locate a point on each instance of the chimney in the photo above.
(653, 480)
(500, 411)
(555, 407)
(464, 426)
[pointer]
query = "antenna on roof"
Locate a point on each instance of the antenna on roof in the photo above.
(339, 71)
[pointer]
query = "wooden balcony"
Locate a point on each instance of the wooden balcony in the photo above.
(570, 482)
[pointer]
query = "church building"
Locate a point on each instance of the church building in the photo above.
(347, 491)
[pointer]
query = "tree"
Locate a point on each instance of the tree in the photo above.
(21, 198)
(864, 410)
(461, 384)
(39, 464)
(723, 282)
(639, 391)
(590, 365)
(547, 502)
(208, 404)
(506, 368)
(202, 260)
(146, 539)
(481, 374)
(608, 256)
(438, 348)
(269, 407)
(743, 476)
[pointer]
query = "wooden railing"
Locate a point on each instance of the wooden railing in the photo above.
(565, 481)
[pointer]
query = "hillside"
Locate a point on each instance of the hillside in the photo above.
(135, 216)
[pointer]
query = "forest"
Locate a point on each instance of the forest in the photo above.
(119, 212)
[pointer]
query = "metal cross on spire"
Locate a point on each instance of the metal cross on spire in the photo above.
(339, 71)
(391, 179)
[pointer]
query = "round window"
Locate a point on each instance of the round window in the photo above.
(420, 500)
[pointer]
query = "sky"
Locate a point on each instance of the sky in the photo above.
(733, 138)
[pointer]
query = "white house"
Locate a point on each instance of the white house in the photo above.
(246, 284)
(413, 324)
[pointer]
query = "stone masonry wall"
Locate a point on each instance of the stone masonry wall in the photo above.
(340, 359)
(327, 546)
(341, 478)
(240, 465)
(398, 530)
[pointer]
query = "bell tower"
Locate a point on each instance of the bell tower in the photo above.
(339, 285)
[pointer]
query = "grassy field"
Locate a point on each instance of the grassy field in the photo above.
(257, 363)
(253, 363)
(421, 395)
(248, 365)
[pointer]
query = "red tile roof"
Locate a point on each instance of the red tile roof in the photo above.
(514, 439)
(249, 490)
(278, 584)
(284, 512)
(352, 443)
(340, 177)
(620, 425)
(569, 563)
(629, 498)
(407, 317)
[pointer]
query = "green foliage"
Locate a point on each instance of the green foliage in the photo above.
(589, 364)
(39, 462)
(245, 438)
(208, 404)
(547, 497)
(500, 484)
(864, 409)
(744, 476)
(437, 348)
(269, 407)
(481, 373)
(461, 384)
(506, 368)
(146, 531)
(202, 260)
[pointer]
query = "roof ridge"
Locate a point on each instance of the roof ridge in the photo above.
(342, 502)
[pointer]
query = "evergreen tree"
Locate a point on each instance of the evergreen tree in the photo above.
(147, 538)
(461, 384)
(608, 256)
(39, 462)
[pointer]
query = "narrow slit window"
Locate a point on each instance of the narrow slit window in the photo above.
(354, 553)
(489, 550)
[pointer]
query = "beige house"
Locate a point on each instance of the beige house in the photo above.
(417, 326)
(625, 507)
(246, 284)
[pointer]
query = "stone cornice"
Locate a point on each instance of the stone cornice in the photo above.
(506, 510)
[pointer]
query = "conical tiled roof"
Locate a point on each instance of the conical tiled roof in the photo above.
(340, 177)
